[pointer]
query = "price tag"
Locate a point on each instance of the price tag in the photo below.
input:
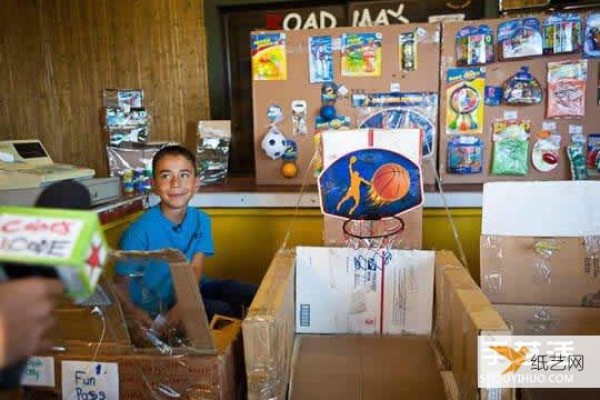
(39, 371)
(90, 380)
(575, 129)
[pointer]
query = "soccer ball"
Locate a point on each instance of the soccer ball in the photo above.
(274, 144)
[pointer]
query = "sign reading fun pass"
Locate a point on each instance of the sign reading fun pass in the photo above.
(36, 236)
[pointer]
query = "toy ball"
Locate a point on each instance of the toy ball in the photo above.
(274, 144)
(328, 112)
(289, 170)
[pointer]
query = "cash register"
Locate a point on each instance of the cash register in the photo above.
(26, 168)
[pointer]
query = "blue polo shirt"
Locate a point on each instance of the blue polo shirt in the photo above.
(150, 283)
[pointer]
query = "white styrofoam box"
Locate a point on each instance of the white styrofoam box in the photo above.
(544, 209)
(341, 290)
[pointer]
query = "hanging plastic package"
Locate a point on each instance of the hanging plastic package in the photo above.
(511, 147)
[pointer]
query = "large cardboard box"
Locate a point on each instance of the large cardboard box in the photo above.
(341, 290)
(207, 366)
(548, 320)
(540, 243)
(368, 366)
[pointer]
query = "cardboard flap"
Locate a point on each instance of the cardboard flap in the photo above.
(168, 255)
(190, 303)
(544, 209)
(187, 293)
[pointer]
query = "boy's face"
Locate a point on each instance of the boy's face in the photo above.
(175, 182)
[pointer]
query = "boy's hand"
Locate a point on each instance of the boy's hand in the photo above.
(173, 319)
(140, 318)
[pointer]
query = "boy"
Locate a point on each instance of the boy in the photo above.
(147, 290)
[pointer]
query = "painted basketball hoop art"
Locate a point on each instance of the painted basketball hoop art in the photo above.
(370, 188)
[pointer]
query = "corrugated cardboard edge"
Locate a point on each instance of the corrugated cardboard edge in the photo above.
(186, 291)
(268, 331)
(462, 313)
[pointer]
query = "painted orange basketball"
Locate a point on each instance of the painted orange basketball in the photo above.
(391, 182)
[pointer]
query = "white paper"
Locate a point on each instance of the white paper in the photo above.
(339, 290)
(404, 141)
(90, 380)
(39, 371)
(541, 209)
(511, 114)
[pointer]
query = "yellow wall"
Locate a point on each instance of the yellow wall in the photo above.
(246, 239)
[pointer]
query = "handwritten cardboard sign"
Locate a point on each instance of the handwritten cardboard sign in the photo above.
(69, 241)
(39, 371)
(82, 380)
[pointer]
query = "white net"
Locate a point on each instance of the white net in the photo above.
(373, 235)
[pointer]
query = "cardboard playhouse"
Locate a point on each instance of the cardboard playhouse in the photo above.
(422, 350)
(97, 355)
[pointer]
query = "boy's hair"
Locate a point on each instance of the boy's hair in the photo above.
(174, 150)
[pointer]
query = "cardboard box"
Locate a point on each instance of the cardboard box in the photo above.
(207, 368)
(540, 243)
(547, 320)
(272, 359)
(389, 292)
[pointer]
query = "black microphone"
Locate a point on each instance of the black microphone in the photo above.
(66, 194)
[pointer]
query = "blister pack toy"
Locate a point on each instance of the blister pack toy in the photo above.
(521, 89)
(464, 111)
(474, 46)
(545, 155)
(465, 155)
(269, 58)
(566, 88)
(519, 38)
(591, 43)
(361, 54)
(407, 45)
(511, 147)
(562, 33)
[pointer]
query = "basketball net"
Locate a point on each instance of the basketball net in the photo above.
(373, 235)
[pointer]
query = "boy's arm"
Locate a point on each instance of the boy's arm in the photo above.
(197, 265)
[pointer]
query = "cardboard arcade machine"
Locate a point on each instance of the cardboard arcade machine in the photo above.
(359, 322)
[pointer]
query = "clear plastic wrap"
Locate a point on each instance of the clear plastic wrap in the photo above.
(213, 151)
(125, 118)
(133, 164)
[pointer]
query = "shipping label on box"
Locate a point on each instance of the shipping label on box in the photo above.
(342, 290)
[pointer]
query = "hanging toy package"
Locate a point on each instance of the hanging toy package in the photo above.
(465, 94)
(474, 46)
(407, 43)
(519, 38)
(546, 150)
(591, 44)
(562, 34)
(465, 155)
(593, 153)
(511, 147)
(576, 153)
(566, 89)
(521, 89)
(401, 110)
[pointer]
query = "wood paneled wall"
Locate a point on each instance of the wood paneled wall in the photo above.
(56, 56)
